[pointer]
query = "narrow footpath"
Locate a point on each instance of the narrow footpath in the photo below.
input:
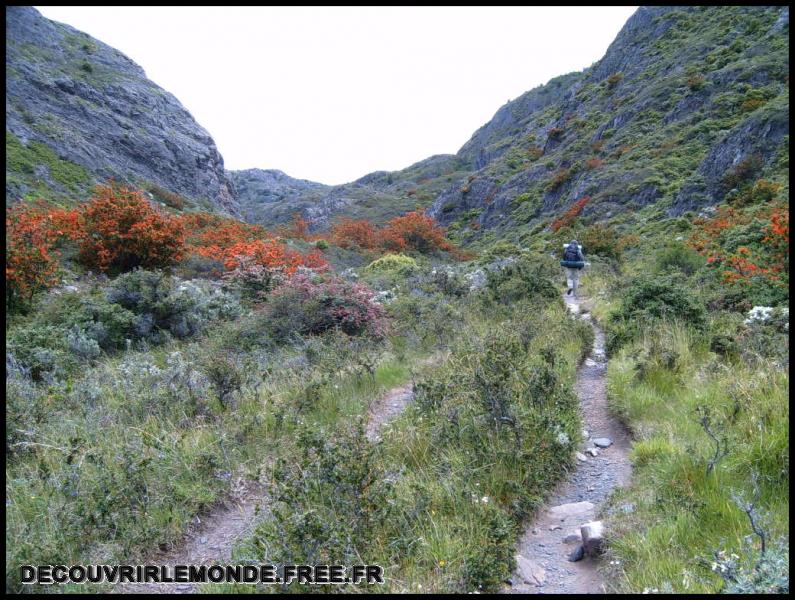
(554, 537)
(213, 535)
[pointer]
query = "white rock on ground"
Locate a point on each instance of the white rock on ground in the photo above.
(530, 571)
(592, 537)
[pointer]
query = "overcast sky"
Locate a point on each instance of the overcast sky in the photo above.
(331, 94)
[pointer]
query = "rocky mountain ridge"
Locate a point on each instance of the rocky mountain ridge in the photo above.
(79, 111)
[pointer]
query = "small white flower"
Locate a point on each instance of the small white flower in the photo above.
(485, 499)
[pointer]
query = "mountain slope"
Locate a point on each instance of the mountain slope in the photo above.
(79, 111)
(270, 197)
(685, 101)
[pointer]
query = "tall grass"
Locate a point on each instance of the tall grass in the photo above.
(681, 510)
(118, 460)
(488, 434)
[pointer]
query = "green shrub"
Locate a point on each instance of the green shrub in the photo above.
(653, 299)
(393, 263)
(770, 574)
(499, 250)
(761, 192)
(164, 304)
(677, 256)
(329, 498)
(520, 280)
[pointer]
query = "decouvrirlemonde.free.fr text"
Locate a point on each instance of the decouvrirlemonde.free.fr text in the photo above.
(251, 574)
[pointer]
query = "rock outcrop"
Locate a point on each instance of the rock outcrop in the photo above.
(79, 111)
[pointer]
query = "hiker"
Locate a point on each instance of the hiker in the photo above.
(573, 261)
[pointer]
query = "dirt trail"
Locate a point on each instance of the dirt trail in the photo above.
(213, 535)
(210, 539)
(548, 541)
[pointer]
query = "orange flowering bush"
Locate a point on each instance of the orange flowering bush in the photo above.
(411, 231)
(211, 236)
(593, 163)
(414, 231)
(31, 260)
(120, 229)
(298, 229)
(352, 232)
(748, 249)
(272, 255)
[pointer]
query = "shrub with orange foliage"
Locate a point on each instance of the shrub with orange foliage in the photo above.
(210, 235)
(414, 231)
(272, 255)
(593, 163)
(754, 262)
(31, 260)
(351, 232)
(571, 214)
(120, 229)
(298, 228)
(559, 177)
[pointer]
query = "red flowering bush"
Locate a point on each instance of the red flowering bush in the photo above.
(559, 177)
(306, 306)
(120, 229)
(571, 214)
(298, 228)
(593, 163)
(241, 247)
(211, 236)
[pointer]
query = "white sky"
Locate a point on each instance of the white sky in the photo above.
(331, 94)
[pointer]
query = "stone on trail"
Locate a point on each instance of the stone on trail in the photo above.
(592, 537)
(593, 452)
(603, 442)
(578, 554)
(581, 457)
(586, 434)
(572, 509)
(530, 571)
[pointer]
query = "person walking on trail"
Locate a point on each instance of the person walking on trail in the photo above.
(573, 261)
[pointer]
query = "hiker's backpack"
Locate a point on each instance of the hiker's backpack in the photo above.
(572, 258)
(571, 253)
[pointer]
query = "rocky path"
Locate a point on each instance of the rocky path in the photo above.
(213, 535)
(554, 537)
